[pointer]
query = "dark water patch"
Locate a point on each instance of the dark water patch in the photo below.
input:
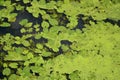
(25, 15)
(111, 21)
(1, 67)
(2, 7)
(60, 51)
(63, 21)
(118, 23)
(80, 24)
(15, 27)
(1, 75)
(90, 18)
(41, 40)
(5, 30)
(67, 76)
(66, 42)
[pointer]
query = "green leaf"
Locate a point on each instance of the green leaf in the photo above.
(25, 43)
(65, 47)
(46, 16)
(5, 24)
(6, 71)
(19, 7)
(26, 1)
(51, 5)
(17, 42)
(42, 2)
(1, 2)
(37, 29)
(17, 38)
(19, 50)
(5, 65)
(37, 60)
(53, 38)
(28, 24)
(39, 46)
(25, 51)
(66, 1)
(35, 69)
(46, 54)
(13, 65)
(29, 30)
(45, 24)
(26, 71)
(53, 21)
(36, 26)
(13, 56)
(54, 44)
(38, 51)
(75, 76)
(35, 14)
(23, 22)
(12, 17)
(38, 36)
(7, 47)
(26, 63)
(13, 77)
(30, 55)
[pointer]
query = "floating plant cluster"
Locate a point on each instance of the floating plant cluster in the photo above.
(59, 39)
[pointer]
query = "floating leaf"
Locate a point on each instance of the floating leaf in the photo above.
(38, 51)
(36, 15)
(28, 24)
(19, 7)
(66, 1)
(75, 76)
(26, 63)
(12, 17)
(38, 36)
(37, 60)
(54, 44)
(35, 69)
(26, 71)
(38, 29)
(39, 46)
(23, 22)
(5, 24)
(12, 56)
(17, 42)
(19, 50)
(46, 54)
(36, 26)
(29, 55)
(25, 51)
(5, 65)
(25, 43)
(65, 47)
(53, 21)
(13, 77)
(51, 5)
(13, 65)
(26, 1)
(45, 24)
(6, 71)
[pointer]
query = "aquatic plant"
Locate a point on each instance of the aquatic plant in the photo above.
(55, 48)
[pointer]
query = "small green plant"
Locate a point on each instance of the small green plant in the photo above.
(55, 48)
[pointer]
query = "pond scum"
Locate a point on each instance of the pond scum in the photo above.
(59, 39)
